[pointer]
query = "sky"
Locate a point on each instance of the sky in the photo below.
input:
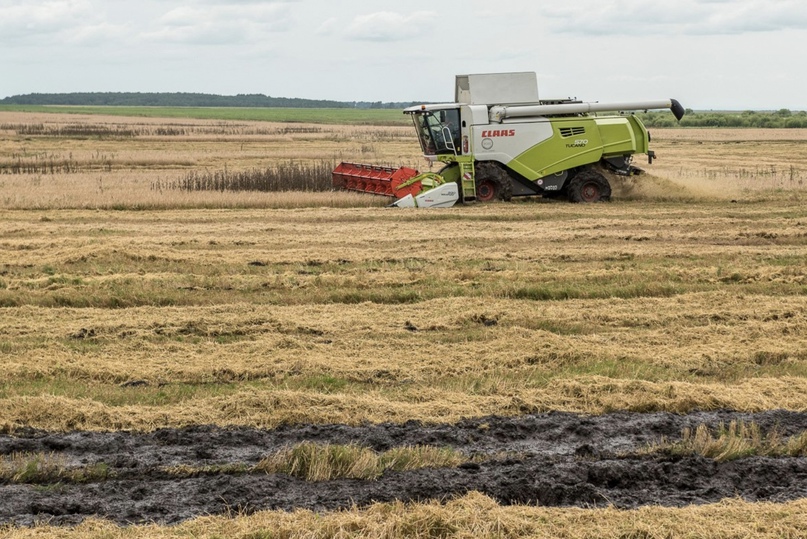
(708, 54)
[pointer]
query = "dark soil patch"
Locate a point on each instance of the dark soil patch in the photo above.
(555, 459)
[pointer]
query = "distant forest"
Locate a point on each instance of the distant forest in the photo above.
(749, 118)
(137, 99)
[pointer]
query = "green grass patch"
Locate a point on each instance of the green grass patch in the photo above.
(345, 286)
(48, 468)
(116, 391)
(324, 383)
(291, 115)
(559, 327)
(734, 441)
(318, 462)
(324, 462)
(540, 371)
(561, 290)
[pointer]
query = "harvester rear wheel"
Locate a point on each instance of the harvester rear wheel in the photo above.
(589, 186)
(492, 183)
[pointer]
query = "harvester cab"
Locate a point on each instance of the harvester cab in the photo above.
(499, 140)
(438, 129)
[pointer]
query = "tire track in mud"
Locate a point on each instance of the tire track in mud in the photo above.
(562, 460)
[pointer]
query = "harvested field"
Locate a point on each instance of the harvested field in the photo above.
(159, 344)
(164, 319)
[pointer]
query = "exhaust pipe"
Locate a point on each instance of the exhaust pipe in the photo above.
(501, 113)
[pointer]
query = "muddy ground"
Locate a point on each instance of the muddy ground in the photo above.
(552, 459)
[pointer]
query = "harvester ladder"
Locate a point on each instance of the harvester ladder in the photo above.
(467, 180)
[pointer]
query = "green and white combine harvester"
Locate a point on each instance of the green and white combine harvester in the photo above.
(499, 140)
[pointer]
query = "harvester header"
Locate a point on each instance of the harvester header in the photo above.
(499, 140)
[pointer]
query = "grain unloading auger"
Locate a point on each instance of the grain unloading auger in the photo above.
(499, 140)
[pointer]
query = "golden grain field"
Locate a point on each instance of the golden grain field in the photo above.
(128, 307)
(125, 165)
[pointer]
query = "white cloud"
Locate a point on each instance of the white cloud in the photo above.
(392, 26)
(756, 16)
(685, 17)
(97, 33)
(704, 48)
(245, 2)
(328, 27)
(220, 24)
(38, 21)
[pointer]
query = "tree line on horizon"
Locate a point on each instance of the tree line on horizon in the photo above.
(183, 99)
(782, 118)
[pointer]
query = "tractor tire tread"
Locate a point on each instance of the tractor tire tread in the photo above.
(498, 176)
(579, 181)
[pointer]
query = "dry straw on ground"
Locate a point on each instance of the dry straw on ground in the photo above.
(472, 516)
(734, 441)
(144, 319)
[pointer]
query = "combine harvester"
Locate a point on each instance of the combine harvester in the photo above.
(499, 140)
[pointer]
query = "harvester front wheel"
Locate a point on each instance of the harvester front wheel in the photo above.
(589, 186)
(492, 183)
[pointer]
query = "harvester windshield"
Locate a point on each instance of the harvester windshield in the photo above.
(438, 130)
